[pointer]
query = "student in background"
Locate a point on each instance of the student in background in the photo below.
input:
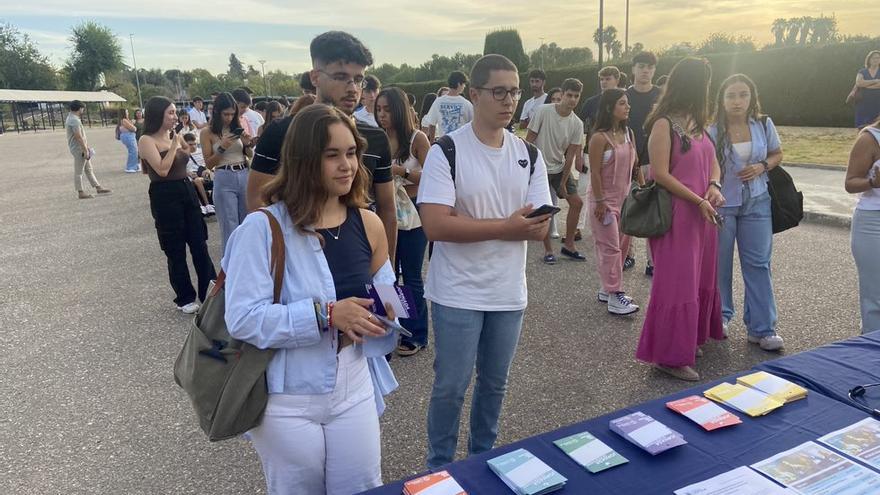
(78, 145)
(199, 174)
(197, 114)
(642, 95)
(249, 119)
(747, 147)
(139, 123)
(536, 84)
(553, 96)
(365, 114)
(409, 148)
(174, 206)
(559, 134)
(305, 84)
(613, 155)
(478, 223)
(226, 155)
(126, 134)
(862, 178)
(185, 124)
(273, 111)
(320, 430)
(451, 111)
(868, 83)
(684, 309)
(427, 101)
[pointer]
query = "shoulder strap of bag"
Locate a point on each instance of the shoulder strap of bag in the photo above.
(533, 156)
(447, 145)
(277, 259)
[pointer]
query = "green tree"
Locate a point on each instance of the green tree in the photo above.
(609, 40)
(22, 66)
(236, 68)
(203, 83)
(96, 50)
(507, 42)
(778, 28)
(553, 56)
(806, 28)
(725, 43)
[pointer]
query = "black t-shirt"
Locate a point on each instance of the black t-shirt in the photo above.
(589, 111)
(377, 157)
(641, 105)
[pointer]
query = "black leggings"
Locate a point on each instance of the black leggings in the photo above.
(175, 208)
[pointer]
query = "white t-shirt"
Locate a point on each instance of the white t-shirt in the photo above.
(555, 134)
(197, 116)
(254, 119)
(490, 183)
(448, 113)
(365, 117)
(531, 105)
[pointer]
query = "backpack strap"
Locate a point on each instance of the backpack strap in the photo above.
(447, 145)
(277, 259)
(533, 156)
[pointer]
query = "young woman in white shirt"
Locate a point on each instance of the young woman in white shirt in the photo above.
(320, 430)
(409, 148)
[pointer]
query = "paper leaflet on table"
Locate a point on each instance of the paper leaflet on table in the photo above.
(703, 412)
(647, 433)
(740, 481)
(750, 401)
(525, 474)
(590, 452)
(399, 296)
(860, 440)
(811, 469)
(774, 386)
(439, 483)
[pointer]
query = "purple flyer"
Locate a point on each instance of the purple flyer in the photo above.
(398, 296)
(642, 430)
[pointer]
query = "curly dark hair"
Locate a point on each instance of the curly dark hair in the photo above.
(339, 46)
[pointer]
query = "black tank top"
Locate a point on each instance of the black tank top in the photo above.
(349, 256)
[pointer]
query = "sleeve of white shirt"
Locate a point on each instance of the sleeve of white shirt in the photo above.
(433, 115)
(251, 314)
(469, 111)
(535, 121)
(436, 185)
(539, 188)
(577, 134)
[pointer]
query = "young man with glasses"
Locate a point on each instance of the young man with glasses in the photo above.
(559, 134)
(339, 61)
(450, 111)
(478, 220)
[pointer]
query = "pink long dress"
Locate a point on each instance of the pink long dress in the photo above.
(685, 306)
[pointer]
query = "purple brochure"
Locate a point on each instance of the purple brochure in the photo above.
(400, 297)
(649, 434)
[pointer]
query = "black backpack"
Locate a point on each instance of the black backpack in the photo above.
(786, 202)
(447, 145)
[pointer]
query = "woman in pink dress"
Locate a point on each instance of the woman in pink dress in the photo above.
(685, 306)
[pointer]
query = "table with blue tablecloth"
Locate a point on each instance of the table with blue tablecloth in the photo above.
(830, 370)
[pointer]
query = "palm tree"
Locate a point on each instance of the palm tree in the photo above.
(610, 36)
(806, 26)
(778, 29)
(794, 27)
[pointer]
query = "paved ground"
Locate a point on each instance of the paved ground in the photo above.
(823, 191)
(89, 336)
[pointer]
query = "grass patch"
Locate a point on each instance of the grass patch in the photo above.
(825, 145)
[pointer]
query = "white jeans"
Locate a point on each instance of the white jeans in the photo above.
(323, 444)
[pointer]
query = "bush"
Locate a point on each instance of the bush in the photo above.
(799, 86)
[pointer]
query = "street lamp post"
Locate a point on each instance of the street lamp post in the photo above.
(542, 53)
(137, 79)
(601, 29)
(263, 68)
(626, 31)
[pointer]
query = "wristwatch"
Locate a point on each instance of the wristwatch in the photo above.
(406, 174)
(766, 165)
(715, 183)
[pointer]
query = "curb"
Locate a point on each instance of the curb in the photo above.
(816, 166)
(828, 219)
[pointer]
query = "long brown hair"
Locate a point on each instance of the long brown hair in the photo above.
(722, 140)
(686, 93)
(300, 180)
(401, 119)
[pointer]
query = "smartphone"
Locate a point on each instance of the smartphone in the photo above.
(719, 220)
(544, 210)
(237, 132)
(392, 325)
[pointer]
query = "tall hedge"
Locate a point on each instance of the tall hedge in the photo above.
(802, 85)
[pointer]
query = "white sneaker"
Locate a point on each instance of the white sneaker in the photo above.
(210, 209)
(602, 296)
(204, 210)
(190, 308)
(769, 343)
(725, 326)
(619, 304)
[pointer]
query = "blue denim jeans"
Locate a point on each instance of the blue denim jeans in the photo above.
(750, 226)
(128, 139)
(230, 203)
(465, 339)
(411, 245)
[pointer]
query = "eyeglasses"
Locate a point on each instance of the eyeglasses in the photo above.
(343, 78)
(500, 93)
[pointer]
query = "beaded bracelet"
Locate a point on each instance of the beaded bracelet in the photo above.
(330, 315)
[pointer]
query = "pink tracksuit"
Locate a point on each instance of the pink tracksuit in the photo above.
(611, 245)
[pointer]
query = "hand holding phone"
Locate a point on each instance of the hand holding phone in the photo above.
(544, 210)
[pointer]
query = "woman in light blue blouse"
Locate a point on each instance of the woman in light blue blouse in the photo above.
(748, 147)
(320, 430)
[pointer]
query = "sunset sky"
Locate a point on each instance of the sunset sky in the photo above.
(174, 34)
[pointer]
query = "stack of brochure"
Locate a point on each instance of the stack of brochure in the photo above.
(860, 440)
(440, 483)
(590, 452)
(812, 469)
(525, 474)
(651, 435)
(750, 401)
(740, 481)
(778, 388)
(706, 414)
